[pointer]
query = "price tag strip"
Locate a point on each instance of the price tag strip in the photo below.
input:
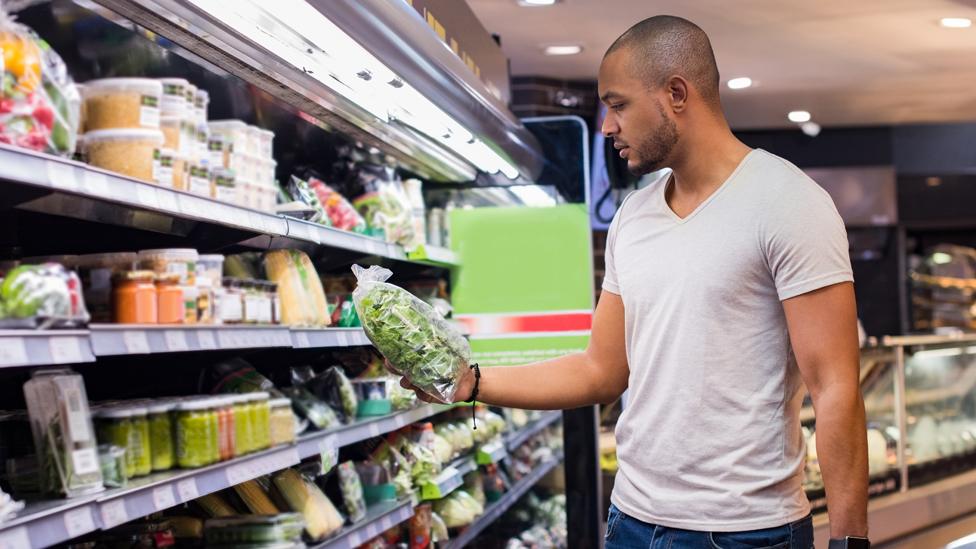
(65, 350)
(15, 538)
(176, 341)
(136, 342)
(78, 522)
(13, 351)
(114, 513)
(163, 497)
(205, 339)
(61, 176)
(187, 489)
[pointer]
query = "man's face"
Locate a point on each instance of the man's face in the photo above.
(641, 129)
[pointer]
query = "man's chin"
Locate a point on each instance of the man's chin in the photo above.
(644, 168)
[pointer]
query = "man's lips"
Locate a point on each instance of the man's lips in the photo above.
(624, 151)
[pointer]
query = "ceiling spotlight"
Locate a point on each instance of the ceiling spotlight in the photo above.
(811, 129)
(534, 3)
(956, 22)
(799, 116)
(740, 83)
(563, 49)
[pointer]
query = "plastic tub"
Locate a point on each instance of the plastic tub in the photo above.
(129, 152)
(253, 143)
(164, 167)
(115, 103)
(234, 130)
(218, 150)
(201, 101)
(283, 529)
(200, 143)
(224, 185)
(134, 298)
(182, 261)
(174, 97)
(265, 143)
(210, 269)
(199, 181)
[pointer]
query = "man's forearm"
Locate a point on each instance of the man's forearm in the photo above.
(562, 383)
(842, 452)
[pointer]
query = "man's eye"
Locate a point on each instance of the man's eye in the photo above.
(617, 107)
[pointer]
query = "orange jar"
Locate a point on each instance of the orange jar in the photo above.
(134, 298)
(169, 298)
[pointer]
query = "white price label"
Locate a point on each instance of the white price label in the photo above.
(343, 338)
(372, 530)
(167, 200)
(61, 176)
(400, 420)
(13, 351)
(85, 460)
(187, 489)
(146, 195)
(374, 429)
(355, 539)
(95, 183)
(136, 342)
(15, 538)
(114, 513)
(176, 340)
(227, 339)
(205, 339)
(163, 497)
(79, 522)
(237, 474)
(301, 340)
(65, 350)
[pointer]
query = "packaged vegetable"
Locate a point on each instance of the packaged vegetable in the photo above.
(39, 103)
(352, 491)
(282, 422)
(458, 509)
(215, 505)
(401, 398)
(42, 296)
(254, 530)
(438, 529)
(443, 449)
(255, 497)
(332, 386)
(130, 152)
(384, 203)
(312, 408)
(299, 288)
(303, 496)
(122, 103)
(341, 213)
(299, 191)
(418, 343)
(63, 434)
(111, 459)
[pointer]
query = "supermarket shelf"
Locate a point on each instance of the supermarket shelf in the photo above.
(498, 508)
(379, 518)
(464, 464)
(44, 347)
(78, 180)
(435, 255)
(519, 437)
(49, 523)
(313, 444)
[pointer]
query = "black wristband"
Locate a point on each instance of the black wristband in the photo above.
(474, 393)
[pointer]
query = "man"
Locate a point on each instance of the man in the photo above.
(728, 287)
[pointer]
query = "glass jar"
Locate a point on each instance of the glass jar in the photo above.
(170, 306)
(225, 422)
(114, 426)
(282, 421)
(191, 297)
(195, 434)
(139, 443)
(275, 303)
(231, 302)
(243, 443)
(260, 412)
(161, 435)
(252, 301)
(134, 298)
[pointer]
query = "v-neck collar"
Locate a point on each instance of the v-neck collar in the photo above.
(682, 220)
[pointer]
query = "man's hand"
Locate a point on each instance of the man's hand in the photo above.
(463, 393)
(823, 331)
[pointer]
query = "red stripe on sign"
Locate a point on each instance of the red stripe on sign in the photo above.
(514, 324)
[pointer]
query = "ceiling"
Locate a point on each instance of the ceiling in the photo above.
(848, 62)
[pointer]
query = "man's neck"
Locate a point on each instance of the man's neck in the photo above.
(706, 162)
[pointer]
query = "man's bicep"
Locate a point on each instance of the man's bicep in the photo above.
(607, 347)
(823, 332)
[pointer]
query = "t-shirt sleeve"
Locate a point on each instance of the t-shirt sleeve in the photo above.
(610, 282)
(806, 242)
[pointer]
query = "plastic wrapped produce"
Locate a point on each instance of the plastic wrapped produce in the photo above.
(402, 399)
(341, 213)
(254, 530)
(312, 408)
(418, 343)
(352, 491)
(458, 509)
(303, 300)
(303, 496)
(39, 103)
(63, 433)
(39, 296)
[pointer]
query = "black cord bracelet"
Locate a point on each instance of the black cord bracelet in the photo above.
(474, 394)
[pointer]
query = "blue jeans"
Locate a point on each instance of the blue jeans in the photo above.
(626, 532)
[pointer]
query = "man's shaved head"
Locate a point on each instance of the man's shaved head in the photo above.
(663, 46)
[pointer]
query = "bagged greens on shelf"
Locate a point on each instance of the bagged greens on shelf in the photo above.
(42, 296)
(418, 343)
(458, 509)
(317, 412)
(352, 491)
(402, 399)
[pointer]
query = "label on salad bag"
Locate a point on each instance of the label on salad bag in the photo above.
(85, 461)
(149, 111)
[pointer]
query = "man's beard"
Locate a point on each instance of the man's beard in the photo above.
(654, 152)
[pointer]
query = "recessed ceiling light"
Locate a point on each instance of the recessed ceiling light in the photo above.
(956, 22)
(740, 83)
(799, 116)
(534, 3)
(563, 49)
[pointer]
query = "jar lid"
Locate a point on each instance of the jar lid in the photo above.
(173, 254)
(279, 402)
(227, 124)
(259, 395)
(140, 85)
(210, 257)
(161, 407)
(139, 410)
(146, 276)
(168, 278)
(115, 412)
(125, 134)
(195, 405)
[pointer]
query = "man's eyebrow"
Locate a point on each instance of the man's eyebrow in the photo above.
(610, 94)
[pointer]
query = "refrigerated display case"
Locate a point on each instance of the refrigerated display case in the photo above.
(919, 396)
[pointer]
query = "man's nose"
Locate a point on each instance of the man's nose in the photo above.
(609, 127)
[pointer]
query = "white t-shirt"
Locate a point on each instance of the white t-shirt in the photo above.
(710, 439)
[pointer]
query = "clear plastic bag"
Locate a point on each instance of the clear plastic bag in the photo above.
(39, 103)
(417, 342)
(42, 296)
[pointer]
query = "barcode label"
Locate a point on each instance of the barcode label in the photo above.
(78, 522)
(114, 513)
